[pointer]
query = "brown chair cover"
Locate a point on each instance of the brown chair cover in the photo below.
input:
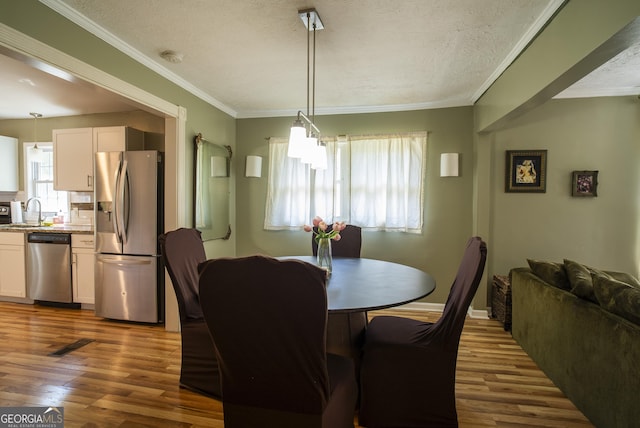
(348, 246)
(408, 367)
(182, 251)
(268, 320)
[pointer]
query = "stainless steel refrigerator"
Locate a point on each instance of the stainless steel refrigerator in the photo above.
(129, 218)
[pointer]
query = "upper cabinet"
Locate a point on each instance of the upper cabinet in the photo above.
(73, 159)
(8, 164)
(117, 139)
(74, 149)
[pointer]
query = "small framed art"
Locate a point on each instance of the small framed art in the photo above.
(584, 183)
(526, 171)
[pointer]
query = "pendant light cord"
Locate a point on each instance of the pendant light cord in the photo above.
(308, 59)
(311, 70)
(313, 87)
(35, 129)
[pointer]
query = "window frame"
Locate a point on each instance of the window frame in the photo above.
(31, 182)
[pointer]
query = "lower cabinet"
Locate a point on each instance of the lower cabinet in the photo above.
(13, 281)
(83, 262)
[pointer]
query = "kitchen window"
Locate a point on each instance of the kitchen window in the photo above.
(372, 181)
(38, 167)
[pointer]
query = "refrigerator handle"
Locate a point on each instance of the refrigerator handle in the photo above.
(119, 203)
(125, 206)
(116, 204)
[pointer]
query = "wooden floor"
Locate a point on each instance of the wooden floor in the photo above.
(128, 375)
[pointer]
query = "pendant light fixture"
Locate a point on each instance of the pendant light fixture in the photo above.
(304, 137)
(35, 153)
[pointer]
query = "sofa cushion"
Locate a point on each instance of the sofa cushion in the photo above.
(550, 272)
(580, 279)
(617, 297)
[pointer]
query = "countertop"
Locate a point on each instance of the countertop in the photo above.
(56, 228)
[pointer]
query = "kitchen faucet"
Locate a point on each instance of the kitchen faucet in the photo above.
(26, 208)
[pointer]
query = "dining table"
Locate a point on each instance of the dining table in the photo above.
(356, 286)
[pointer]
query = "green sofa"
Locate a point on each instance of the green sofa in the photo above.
(590, 353)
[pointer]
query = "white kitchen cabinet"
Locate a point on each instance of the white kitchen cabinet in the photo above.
(8, 164)
(83, 263)
(118, 139)
(73, 151)
(13, 282)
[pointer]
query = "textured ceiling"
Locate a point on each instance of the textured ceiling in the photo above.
(248, 57)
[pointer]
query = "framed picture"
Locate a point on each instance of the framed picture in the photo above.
(526, 171)
(584, 183)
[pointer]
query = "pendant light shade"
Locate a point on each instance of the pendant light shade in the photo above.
(297, 139)
(310, 145)
(320, 157)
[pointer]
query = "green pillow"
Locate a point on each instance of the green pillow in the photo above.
(624, 277)
(580, 280)
(617, 297)
(551, 272)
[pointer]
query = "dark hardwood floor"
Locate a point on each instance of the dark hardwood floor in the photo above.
(127, 375)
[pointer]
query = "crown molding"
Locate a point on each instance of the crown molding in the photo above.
(326, 111)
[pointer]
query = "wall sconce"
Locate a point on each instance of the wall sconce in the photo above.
(253, 167)
(218, 166)
(449, 165)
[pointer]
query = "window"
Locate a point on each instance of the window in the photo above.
(375, 182)
(39, 178)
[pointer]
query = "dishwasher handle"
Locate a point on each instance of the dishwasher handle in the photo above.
(49, 238)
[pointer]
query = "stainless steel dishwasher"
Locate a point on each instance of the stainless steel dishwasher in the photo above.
(49, 267)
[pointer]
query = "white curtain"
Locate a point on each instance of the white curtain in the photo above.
(375, 182)
(288, 189)
(387, 176)
(201, 213)
(324, 192)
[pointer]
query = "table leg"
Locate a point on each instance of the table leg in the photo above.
(345, 334)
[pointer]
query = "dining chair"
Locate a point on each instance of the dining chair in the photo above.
(408, 368)
(348, 246)
(182, 250)
(268, 319)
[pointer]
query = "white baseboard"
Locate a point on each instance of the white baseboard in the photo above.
(439, 307)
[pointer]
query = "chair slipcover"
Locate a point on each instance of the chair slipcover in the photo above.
(268, 320)
(182, 251)
(408, 367)
(348, 246)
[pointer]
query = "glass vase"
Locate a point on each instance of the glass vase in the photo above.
(324, 254)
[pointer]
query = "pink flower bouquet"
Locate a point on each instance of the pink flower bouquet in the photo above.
(322, 230)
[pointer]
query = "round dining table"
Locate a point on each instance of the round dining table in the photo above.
(356, 286)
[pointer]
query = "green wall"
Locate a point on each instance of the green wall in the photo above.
(581, 134)
(600, 134)
(35, 20)
(514, 113)
(447, 214)
(582, 36)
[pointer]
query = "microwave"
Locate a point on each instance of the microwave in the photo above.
(5, 212)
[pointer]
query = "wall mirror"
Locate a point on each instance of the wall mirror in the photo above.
(211, 189)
